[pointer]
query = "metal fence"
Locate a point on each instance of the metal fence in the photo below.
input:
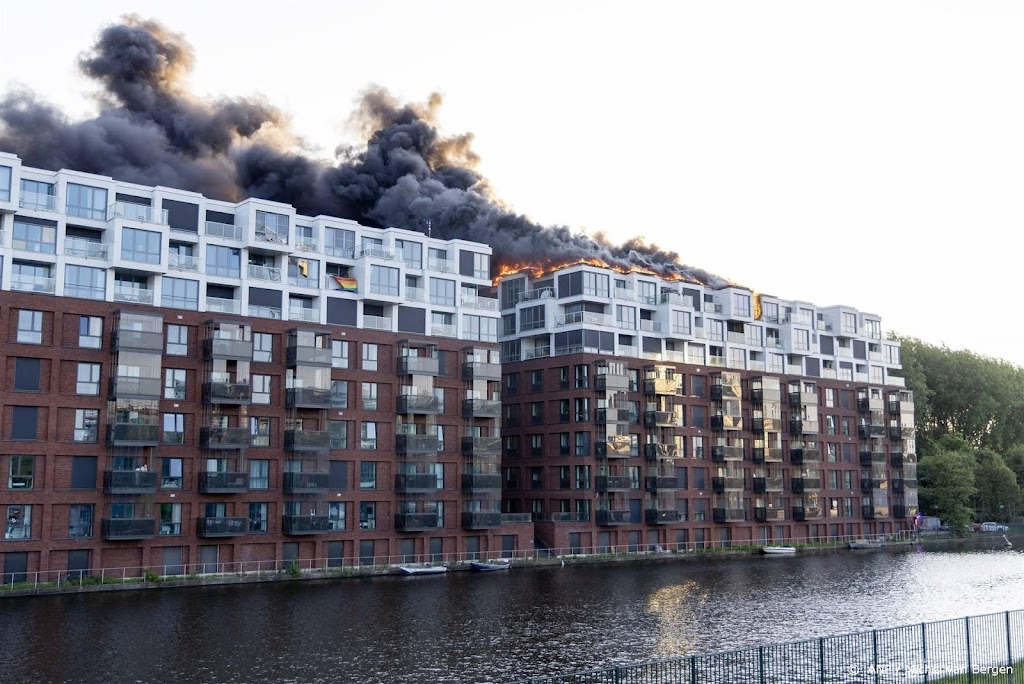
(981, 648)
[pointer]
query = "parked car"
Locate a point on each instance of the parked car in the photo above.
(993, 527)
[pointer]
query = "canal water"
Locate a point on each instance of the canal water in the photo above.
(492, 627)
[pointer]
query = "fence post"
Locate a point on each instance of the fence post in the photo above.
(924, 652)
(967, 628)
(693, 669)
(874, 654)
(1009, 646)
(760, 663)
(821, 658)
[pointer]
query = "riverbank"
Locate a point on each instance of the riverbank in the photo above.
(135, 579)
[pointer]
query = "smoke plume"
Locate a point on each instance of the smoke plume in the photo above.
(151, 130)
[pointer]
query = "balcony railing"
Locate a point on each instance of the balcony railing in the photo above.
(656, 450)
(129, 482)
(137, 212)
(654, 516)
(37, 201)
(374, 251)
(481, 408)
(27, 283)
(481, 446)
(415, 483)
(610, 483)
(477, 520)
(443, 265)
(307, 440)
(223, 230)
(472, 370)
(307, 244)
(304, 524)
(310, 314)
(222, 305)
(220, 527)
(660, 419)
(655, 483)
(726, 515)
(307, 397)
(227, 393)
(223, 482)
(306, 483)
(804, 455)
(661, 386)
(86, 249)
(604, 517)
(415, 444)
(223, 348)
(477, 482)
(415, 522)
(418, 365)
(224, 438)
(133, 434)
(484, 303)
(272, 312)
(128, 528)
(377, 322)
(268, 273)
(721, 453)
(417, 403)
(125, 387)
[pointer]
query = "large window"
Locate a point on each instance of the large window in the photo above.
(174, 383)
(171, 473)
(85, 282)
(87, 425)
(174, 428)
(339, 394)
(225, 262)
(368, 436)
(170, 519)
(260, 430)
(30, 327)
(271, 227)
(304, 272)
(258, 517)
(410, 252)
(33, 237)
(80, 517)
(180, 294)
(263, 347)
(339, 354)
(370, 357)
(177, 340)
(140, 245)
(367, 475)
(481, 266)
(340, 242)
(480, 328)
(88, 379)
(37, 195)
(5, 183)
(442, 292)
(18, 522)
(259, 473)
(87, 202)
(261, 389)
(369, 396)
(21, 473)
(90, 332)
(384, 281)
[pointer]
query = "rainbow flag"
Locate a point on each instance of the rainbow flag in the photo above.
(346, 284)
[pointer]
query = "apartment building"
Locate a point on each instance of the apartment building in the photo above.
(642, 411)
(190, 381)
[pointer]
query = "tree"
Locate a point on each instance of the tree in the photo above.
(998, 495)
(946, 475)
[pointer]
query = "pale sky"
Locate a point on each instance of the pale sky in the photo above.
(860, 153)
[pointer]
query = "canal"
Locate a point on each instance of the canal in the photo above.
(492, 627)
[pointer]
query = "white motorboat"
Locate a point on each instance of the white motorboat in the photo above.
(865, 544)
(423, 569)
(778, 550)
(491, 565)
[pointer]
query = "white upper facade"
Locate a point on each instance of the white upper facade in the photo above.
(82, 235)
(599, 310)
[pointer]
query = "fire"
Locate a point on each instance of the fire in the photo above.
(538, 271)
(757, 305)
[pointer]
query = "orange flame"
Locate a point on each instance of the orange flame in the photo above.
(757, 305)
(538, 271)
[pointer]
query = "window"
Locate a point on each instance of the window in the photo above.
(30, 327)
(21, 472)
(174, 428)
(90, 332)
(5, 185)
(339, 354)
(340, 242)
(87, 423)
(84, 282)
(339, 394)
(582, 443)
(140, 245)
(179, 293)
(370, 357)
(367, 515)
(480, 328)
(595, 284)
(368, 436)
(801, 339)
(740, 304)
(272, 227)
(410, 252)
(26, 375)
(339, 433)
(481, 266)
(442, 292)
(259, 473)
(263, 347)
(80, 517)
(303, 272)
(170, 519)
(261, 389)
(258, 517)
(87, 202)
(88, 379)
(224, 262)
(336, 515)
(177, 340)
(369, 396)
(384, 281)
(367, 475)
(260, 430)
(171, 473)
(174, 383)
(24, 422)
(582, 376)
(33, 237)
(18, 523)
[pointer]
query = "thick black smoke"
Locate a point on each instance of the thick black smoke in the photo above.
(151, 130)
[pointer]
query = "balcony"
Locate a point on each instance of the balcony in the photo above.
(477, 520)
(481, 408)
(611, 383)
(720, 454)
(665, 483)
(727, 484)
(477, 370)
(307, 397)
(895, 433)
(418, 365)
(899, 486)
(304, 524)
(138, 340)
(137, 212)
(310, 314)
(763, 514)
(129, 482)
(654, 451)
(227, 393)
(308, 356)
(126, 387)
(727, 515)
(653, 516)
(661, 386)
(803, 399)
(480, 482)
(896, 458)
(86, 249)
(415, 483)
(612, 483)
(660, 419)
(799, 514)
(223, 348)
(224, 438)
(899, 511)
(417, 522)
(37, 201)
(720, 423)
(223, 230)
(613, 517)
(869, 457)
(265, 273)
(27, 283)
(867, 485)
(182, 262)
(211, 482)
(223, 305)
(801, 485)
(220, 527)
(307, 440)
(756, 395)
(867, 512)
(481, 446)
(118, 529)
(306, 483)
(133, 434)
(417, 444)
(611, 415)
(377, 322)
(307, 244)
(417, 403)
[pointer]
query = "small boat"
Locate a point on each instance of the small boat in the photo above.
(865, 544)
(778, 550)
(423, 569)
(491, 565)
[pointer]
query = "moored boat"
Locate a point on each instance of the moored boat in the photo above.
(778, 550)
(865, 544)
(417, 569)
(491, 565)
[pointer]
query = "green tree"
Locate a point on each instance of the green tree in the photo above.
(946, 475)
(998, 495)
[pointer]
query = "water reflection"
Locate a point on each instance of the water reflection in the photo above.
(491, 627)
